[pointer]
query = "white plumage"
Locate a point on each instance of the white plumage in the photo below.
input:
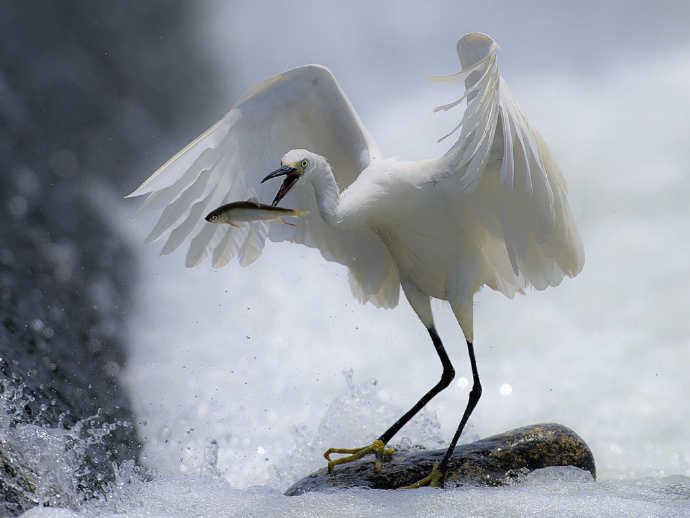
(492, 211)
(511, 207)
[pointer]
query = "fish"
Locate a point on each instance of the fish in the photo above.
(251, 210)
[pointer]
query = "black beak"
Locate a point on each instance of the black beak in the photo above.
(291, 176)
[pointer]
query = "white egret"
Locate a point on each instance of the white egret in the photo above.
(491, 212)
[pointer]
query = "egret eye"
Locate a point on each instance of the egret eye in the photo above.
(304, 163)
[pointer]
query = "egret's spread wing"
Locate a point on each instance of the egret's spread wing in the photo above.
(500, 174)
(301, 108)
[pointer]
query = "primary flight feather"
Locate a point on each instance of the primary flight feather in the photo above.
(492, 211)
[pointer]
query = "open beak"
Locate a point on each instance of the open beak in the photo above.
(291, 175)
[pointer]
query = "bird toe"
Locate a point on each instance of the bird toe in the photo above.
(376, 448)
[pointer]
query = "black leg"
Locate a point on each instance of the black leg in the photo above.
(475, 394)
(378, 446)
(446, 378)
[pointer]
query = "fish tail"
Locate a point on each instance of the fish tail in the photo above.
(301, 213)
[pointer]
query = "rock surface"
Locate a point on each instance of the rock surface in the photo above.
(497, 460)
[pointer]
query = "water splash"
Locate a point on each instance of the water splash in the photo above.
(355, 418)
(55, 466)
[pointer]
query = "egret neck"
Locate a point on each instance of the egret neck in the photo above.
(328, 196)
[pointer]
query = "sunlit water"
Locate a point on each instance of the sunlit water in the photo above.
(241, 377)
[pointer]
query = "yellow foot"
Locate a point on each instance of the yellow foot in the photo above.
(377, 448)
(434, 479)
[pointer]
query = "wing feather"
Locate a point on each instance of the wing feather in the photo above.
(301, 108)
(503, 179)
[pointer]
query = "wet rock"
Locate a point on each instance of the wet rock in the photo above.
(495, 461)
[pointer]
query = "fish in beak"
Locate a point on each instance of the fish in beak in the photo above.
(291, 173)
(251, 210)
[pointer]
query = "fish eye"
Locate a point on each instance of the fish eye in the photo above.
(304, 163)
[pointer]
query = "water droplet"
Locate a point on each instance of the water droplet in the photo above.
(37, 325)
(17, 206)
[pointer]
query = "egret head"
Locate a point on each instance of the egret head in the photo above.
(295, 165)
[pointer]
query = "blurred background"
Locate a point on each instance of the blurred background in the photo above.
(92, 95)
(95, 96)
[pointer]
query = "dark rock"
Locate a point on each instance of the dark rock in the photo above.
(498, 460)
(90, 92)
